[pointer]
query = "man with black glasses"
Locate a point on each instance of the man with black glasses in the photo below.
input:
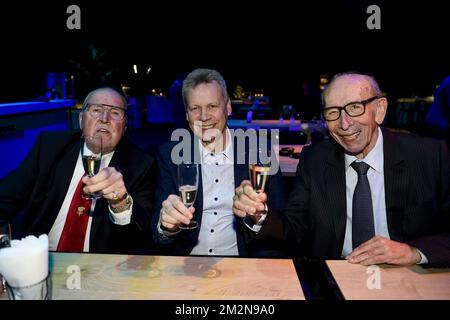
(51, 186)
(368, 195)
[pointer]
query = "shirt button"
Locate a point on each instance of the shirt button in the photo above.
(212, 230)
(217, 163)
(215, 213)
(217, 180)
(215, 198)
(212, 154)
(210, 250)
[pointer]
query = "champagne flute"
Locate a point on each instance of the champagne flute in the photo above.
(187, 188)
(5, 241)
(91, 155)
(259, 171)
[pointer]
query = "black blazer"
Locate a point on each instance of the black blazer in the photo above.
(417, 178)
(186, 240)
(39, 186)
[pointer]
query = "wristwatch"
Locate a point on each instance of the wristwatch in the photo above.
(125, 206)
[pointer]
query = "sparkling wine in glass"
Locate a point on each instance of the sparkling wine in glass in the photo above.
(259, 171)
(187, 188)
(258, 176)
(91, 155)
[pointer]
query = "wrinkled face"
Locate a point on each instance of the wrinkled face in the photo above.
(207, 112)
(109, 129)
(357, 135)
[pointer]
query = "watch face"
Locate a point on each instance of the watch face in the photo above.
(118, 200)
(123, 207)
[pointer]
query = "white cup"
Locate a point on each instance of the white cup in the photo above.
(38, 291)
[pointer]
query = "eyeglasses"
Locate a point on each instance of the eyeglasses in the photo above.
(353, 109)
(97, 110)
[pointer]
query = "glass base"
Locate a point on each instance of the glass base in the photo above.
(190, 226)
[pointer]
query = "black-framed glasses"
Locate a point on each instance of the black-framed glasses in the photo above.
(353, 109)
(96, 110)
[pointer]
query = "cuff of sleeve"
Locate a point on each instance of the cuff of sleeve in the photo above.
(121, 218)
(423, 259)
(256, 227)
(164, 235)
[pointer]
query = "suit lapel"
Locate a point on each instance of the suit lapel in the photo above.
(334, 177)
(118, 160)
(199, 200)
(101, 211)
(62, 176)
(198, 204)
(396, 185)
(240, 170)
(240, 173)
(52, 185)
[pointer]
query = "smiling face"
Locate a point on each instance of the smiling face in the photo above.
(357, 135)
(109, 129)
(207, 111)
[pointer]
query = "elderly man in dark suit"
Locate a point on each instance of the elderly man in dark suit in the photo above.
(368, 195)
(51, 185)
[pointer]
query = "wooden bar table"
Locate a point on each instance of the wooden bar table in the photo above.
(118, 277)
(388, 282)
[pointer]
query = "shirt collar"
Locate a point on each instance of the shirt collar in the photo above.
(374, 158)
(106, 158)
(227, 153)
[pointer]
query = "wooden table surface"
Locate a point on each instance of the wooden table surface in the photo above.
(395, 283)
(173, 278)
(125, 277)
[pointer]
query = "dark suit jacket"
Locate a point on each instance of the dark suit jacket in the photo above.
(186, 240)
(39, 186)
(417, 178)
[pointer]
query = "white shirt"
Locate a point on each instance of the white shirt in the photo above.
(217, 234)
(375, 175)
(122, 218)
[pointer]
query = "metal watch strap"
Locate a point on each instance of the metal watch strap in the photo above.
(124, 207)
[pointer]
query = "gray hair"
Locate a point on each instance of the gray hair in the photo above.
(105, 89)
(373, 83)
(202, 76)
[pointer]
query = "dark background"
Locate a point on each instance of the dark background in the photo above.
(271, 45)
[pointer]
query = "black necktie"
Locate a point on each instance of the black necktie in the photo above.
(362, 212)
